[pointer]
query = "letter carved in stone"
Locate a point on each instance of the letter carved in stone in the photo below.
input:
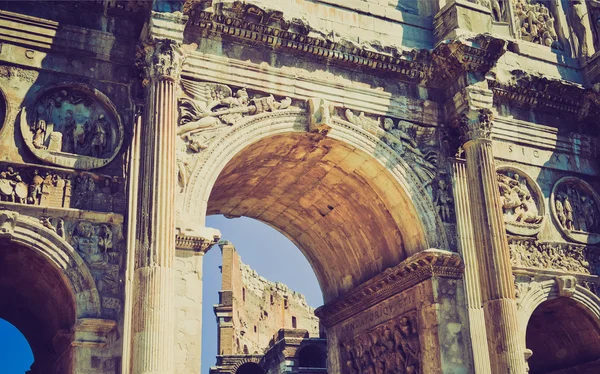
(521, 201)
(392, 347)
(73, 126)
(574, 205)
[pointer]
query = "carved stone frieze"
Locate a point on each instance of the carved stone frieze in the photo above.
(392, 347)
(207, 107)
(74, 126)
(521, 200)
(160, 59)
(405, 138)
(571, 258)
(536, 23)
(48, 187)
(574, 205)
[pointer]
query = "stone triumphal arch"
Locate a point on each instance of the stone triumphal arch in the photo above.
(435, 161)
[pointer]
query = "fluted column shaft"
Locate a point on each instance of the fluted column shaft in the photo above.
(467, 249)
(153, 305)
(495, 272)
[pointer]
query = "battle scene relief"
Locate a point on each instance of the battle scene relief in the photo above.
(390, 348)
(521, 202)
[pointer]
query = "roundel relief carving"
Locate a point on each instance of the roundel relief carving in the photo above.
(575, 210)
(521, 201)
(72, 126)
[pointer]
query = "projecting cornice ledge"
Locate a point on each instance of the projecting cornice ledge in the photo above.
(410, 272)
(436, 68)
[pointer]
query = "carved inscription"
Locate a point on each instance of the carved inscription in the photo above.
(392, 347)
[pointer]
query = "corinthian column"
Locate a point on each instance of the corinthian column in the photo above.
(495, 272)
(153, 324)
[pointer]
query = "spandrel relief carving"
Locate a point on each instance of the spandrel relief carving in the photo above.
(405, 138)
(521, 201)
(207, 107)
(571, 258)
(574, 205)
(536, 23)
(392, 347)
(72, 126)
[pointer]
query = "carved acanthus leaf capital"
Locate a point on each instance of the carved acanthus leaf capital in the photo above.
(476, 125)
(160, 59)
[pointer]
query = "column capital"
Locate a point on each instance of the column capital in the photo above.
(160, 59)
(476, 124)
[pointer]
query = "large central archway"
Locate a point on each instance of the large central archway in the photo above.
(350, 203)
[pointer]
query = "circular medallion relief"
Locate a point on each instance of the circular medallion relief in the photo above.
(521, 200)
(574, 205)
(74, 126)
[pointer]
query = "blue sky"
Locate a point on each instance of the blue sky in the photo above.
(266, 250)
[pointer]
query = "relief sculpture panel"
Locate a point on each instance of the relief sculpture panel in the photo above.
(72, 126)
(392, 347)
(521, 201)
(574, 205)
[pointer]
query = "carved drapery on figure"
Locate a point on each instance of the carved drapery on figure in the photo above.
(574, 205)
(74, 126)
(392, 347)
(207, 107)
(520, 200)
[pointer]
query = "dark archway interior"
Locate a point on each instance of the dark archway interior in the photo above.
(37, 301)
(564, 338)
(339, 205)
(311, 356)
(250, 368)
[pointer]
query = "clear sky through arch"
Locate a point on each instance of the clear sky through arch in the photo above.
(16, 356)
(265, 250)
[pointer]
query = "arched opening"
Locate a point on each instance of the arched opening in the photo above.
(311, 356)
(250, 368)
(15, 352)
(564, 338)
(37, 301)
(339, 205)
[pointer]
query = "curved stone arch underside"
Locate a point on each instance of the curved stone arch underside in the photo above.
(547, 290)
(29, 233)
(414, 213)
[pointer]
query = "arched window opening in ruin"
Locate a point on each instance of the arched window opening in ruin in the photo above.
(311, 356)
(15, 352)
(250, 368)
(564, 338)
(38, 302)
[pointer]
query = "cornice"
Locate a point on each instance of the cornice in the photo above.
(410, 272)
(432, 68)
(194, 243)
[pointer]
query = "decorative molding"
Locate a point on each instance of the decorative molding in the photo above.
(433, 68)
(92, 332)
(415, 269)
(194, 243)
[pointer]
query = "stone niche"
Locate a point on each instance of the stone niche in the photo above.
(72, 125)
(406, 320)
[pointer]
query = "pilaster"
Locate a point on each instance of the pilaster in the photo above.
(500, 309)
(153, 324)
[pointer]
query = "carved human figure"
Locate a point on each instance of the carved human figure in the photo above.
(560, 211)
(578, 20)
(443, 201)
(39, 134)
(105, 238)
(99, 137)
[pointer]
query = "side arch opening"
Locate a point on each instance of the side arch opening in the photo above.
(563, 336)
(38, 301)
(250, 368)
